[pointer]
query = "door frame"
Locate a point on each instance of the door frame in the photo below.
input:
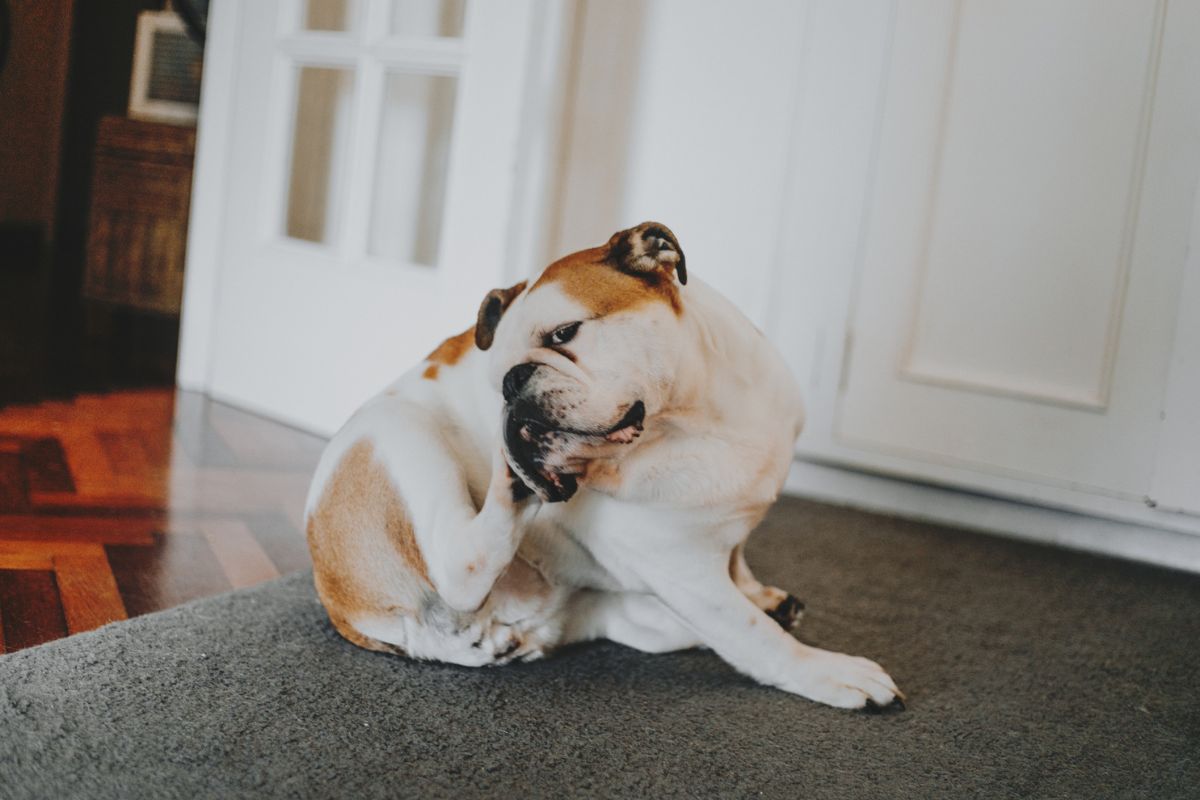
(545, 84)
(1176, 484)
(842, 91)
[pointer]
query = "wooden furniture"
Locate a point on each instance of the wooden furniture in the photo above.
(137, 237)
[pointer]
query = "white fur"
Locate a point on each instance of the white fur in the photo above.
(645, 559)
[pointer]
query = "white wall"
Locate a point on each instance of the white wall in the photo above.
(696, 101)
(747, 135)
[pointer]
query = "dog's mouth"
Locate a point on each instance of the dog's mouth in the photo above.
(532, 443)
(527, 443)
(629, 426)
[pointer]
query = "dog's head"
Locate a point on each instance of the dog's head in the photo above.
(585, 355)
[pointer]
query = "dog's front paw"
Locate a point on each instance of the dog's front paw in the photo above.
(844, 681)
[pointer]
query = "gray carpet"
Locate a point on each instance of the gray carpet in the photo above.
(1030, 672)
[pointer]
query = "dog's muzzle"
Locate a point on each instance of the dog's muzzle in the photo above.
(532, 440)
(529, 440)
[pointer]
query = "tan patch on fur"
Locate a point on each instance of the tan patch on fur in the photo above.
(430, 373)
(451, 351)
(591, 279)
(521, 581)
(360, 496)
(351, 634)
(359, 512)
(603, 476)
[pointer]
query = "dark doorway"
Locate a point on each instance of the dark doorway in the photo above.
(68, 68)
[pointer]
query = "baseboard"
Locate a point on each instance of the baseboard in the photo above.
(928, 503)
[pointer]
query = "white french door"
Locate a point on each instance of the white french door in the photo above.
(368, 157)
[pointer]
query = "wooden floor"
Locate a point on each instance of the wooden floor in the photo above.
(122, 504)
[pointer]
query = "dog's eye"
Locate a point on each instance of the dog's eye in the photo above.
(562, 334)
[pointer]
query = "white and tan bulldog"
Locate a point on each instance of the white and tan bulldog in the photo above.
(585, 463)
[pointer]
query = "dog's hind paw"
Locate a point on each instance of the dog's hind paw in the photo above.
(788, 612)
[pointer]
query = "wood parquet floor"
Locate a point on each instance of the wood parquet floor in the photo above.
(121, 504)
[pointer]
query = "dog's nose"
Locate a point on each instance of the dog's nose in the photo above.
(516, 378)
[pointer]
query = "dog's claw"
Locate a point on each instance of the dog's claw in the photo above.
(872, 707)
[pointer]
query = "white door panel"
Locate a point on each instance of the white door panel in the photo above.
(371, 173)
(1035, 186)
(1025, 235)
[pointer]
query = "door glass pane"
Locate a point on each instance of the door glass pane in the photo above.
(410, 177)
(320, 132)
(427, 17)
(328, 15)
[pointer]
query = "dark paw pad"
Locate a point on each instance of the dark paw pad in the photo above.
(788, 612)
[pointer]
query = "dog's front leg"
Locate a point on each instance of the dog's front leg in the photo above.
(701, 591)
(468, 554)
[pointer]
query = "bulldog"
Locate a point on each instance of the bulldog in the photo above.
(586, 462)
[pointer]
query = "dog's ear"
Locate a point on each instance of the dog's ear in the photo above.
(645, 248)
(491, 310)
